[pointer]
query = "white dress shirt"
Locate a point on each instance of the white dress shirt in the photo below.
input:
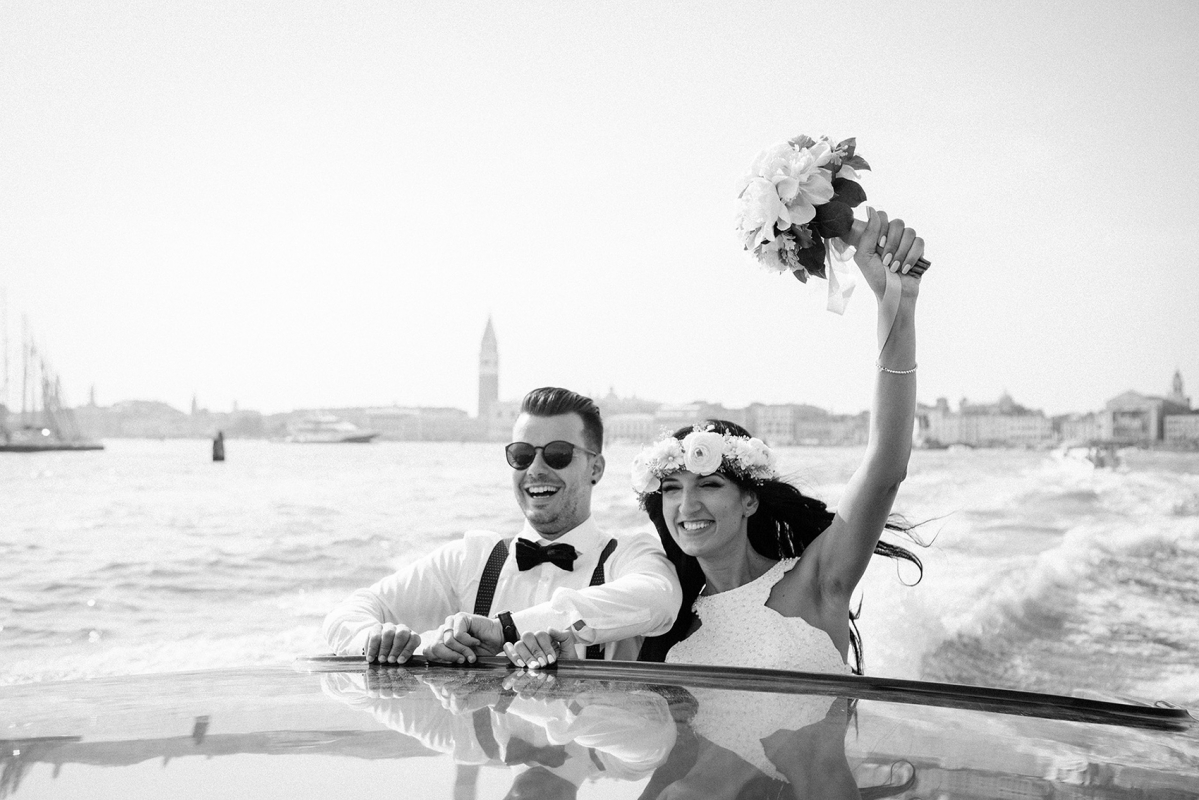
(624, 735)
(640, 596)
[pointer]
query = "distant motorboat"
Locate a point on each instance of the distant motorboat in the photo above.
(327, 429)
(1102, 455)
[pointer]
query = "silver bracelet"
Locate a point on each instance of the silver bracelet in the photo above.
(881, 368)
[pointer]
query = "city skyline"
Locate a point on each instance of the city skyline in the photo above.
(289, 205)
(489, 376)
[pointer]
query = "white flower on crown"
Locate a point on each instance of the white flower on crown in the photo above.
(703, 451)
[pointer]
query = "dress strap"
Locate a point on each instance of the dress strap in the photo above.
(764, 585)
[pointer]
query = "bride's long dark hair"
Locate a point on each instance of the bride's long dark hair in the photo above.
(786, 522)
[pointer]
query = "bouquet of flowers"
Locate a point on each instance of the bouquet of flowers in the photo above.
(800, 194)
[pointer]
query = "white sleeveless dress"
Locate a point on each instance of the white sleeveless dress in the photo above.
(740, 631)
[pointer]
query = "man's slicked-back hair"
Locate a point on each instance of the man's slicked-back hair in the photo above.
(552, 401)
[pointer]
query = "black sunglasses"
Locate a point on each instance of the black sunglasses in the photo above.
(557, 454)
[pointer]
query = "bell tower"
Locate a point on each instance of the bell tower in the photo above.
(489, 371)
(1177, 392)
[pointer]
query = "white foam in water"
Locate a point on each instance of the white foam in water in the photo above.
(193, 568)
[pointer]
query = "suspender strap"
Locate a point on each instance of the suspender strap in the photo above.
(485, 735)
(596, 651)
(490, 577)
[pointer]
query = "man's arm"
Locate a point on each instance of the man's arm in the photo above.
(641, 599)
(417, 597)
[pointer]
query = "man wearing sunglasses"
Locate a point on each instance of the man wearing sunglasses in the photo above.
(560, 571)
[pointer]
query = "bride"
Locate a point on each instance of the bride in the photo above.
(768, 573)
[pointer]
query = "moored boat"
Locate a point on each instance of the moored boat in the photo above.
(327, 429)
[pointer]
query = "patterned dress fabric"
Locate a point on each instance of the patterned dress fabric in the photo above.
(739, 630)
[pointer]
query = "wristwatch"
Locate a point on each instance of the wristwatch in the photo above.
(511, 634)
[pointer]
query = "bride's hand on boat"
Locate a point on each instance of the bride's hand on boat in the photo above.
(887, 245)
(388, 643)
(458, 693)
(530, 685)
(390, 683)
(465, 636)
(538, 649)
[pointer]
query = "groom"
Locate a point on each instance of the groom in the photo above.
(559, 571)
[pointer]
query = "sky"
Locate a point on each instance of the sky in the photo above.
(303, 204)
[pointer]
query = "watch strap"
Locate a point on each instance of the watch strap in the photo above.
(511, 635)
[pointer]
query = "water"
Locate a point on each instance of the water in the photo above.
(1042, 573)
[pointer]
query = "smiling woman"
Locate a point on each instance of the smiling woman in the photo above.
(767, 572)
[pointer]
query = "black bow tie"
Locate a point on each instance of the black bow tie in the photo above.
(521, 752)
(530, 554)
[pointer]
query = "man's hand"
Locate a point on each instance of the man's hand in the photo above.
(465, 636)
(390, 644)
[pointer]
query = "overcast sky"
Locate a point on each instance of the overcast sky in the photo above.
(303, 204)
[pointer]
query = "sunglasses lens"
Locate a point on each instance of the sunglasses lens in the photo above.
(520, 455)
(558, 454)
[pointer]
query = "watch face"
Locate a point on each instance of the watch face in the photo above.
(579, 625)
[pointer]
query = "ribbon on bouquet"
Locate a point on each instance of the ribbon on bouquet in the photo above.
(841, 283)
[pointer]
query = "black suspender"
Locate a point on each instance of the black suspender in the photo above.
(597, 579)
(491, 576)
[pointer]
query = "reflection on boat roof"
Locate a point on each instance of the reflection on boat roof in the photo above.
(589, 729)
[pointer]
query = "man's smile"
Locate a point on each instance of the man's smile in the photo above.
(539, 491)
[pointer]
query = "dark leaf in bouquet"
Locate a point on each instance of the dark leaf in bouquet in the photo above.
(848, 192)
(813, 258)
(800, 275)
(847, 146)
(833, 219)
(857, 162)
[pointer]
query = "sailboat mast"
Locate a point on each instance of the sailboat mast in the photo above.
(4, 346)
(25, 347)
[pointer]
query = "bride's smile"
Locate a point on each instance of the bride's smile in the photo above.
(705, 514)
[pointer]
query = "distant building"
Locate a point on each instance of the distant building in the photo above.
(633, 427)
(489, 372)
(673, 417)
(1136, 418)
(501, 417)
(1078, 427)
(1182, 429)
(1177, 394)
(1004, 423)
(422, 424)
(773, 424)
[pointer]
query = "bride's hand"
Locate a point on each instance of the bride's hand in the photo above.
(900, 249)
(538, 649)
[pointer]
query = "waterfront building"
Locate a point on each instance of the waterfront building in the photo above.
(422, 424)
(501, 417)
(773, 424)
(1182, 429)
(1135, 418)
(1078, 427)
(1004, 423)
(639, 427)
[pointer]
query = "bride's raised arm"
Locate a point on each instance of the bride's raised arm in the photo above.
(886, 250)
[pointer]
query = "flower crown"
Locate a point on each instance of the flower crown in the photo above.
(703, 451)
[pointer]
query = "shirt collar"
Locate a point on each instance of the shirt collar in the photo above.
(584, 537)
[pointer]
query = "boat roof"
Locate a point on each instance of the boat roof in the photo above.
(332, 725)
